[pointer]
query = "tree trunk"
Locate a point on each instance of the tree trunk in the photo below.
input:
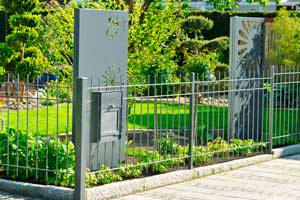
(22, 90)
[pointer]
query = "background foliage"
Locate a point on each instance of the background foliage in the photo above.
(286, 30)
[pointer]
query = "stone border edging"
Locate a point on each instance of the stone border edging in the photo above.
(36, 190)
(286, 151)
(127, 187)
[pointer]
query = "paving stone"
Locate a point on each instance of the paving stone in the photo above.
(273, 180)
(7, 196)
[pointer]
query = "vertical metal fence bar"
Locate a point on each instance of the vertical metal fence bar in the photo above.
(173, 121)
(185, 117)
(192, 122)
(284, 139)
(264, 116)
(223, 112)
(37, 130)
(167, 135)
(296, 103)
(258, 111)
(271, 107)
(248, 111)
(141, 101)
(288, 105)
(57, 126)
(47, 127)
(258, 104)
(202, 116)
(155, 118)
(276, 106)
(8, 121)
(127, 112)
(196, 125)
(179, 114)
(243, 110)
(18, 107)
(134, 119)
(161, 119)
(213, 116)
(27, 132)
(81, 137)
(293, 138)
(218, 127)
(280, 108)
(238, 120)
(207, 121)
(253, 108)
(67, 129)
(148, 119)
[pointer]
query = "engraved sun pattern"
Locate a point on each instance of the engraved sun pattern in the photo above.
(249, 46)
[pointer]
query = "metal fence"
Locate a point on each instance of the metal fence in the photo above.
(35, 136)
(177, 125)
(285, 109)
(196, 122)
(165, 125)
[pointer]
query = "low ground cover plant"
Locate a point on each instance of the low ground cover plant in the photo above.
(29, 157)
(35, 158)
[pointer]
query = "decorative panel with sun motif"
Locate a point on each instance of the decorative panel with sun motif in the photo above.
(246, 74)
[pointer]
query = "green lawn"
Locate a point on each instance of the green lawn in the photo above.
(51, 120)
(175, 116)
(170, 116)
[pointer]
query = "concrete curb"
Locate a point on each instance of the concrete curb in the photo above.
(127, 187)
(286, 151)
(35, 190)
(119, 189)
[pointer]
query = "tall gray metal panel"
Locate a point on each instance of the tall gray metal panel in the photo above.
(246, 62)
(101, 52)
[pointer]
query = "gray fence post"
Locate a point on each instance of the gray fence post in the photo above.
(192, 122)
(81, 136)
(271, 108)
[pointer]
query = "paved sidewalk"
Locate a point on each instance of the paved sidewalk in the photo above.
(7, 196)
(274, 180)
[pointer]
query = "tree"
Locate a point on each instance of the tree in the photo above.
(201, 56)
(286, 30)
(196, 24)
(24, 59)
(56, 35)
(154, 40)
(225, 4)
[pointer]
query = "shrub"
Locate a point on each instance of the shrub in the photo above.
(21, 149)
(167, 144)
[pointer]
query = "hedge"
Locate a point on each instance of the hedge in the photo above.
(222, 20)
(3, 27)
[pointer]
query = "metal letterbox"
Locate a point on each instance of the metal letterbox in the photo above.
(106, 116)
